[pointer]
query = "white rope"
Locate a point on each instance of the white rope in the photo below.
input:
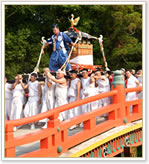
(43, 41)
(67, 60)
(102, 51)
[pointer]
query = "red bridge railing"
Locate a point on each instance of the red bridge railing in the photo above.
(55, 140)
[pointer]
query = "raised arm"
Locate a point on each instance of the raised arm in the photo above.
(49, 41)
(43, 47)
(23, 85)
(60, 81)
(14, 85)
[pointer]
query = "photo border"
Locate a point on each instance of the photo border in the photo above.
(143, 3)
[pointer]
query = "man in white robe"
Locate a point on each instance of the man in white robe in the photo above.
(49, 94)
(88, 89)
(103, 86)
(131, 82)
(49, 90)
(73, 95)
(60, 91)
(18, 98)
(8, 99)
(35, 98)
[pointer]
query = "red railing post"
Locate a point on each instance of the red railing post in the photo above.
(90, 124)
(9, 152)
(54, 142)
(53, 122)
(135, 104)
(119, 98)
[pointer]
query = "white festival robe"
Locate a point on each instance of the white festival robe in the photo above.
(103, 86)
(87, 91)
(61, 99)
(48, 97)
(72, 95)
(50, 94)
(17, 103)
(8, 100)
(32, 106)
(131, 83)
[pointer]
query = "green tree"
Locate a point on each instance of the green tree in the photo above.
(120, 25)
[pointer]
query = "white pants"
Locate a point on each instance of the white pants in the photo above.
(16, 108)
(61, 99)
(74, 111)
(62, 115)
(106, 101)
(44, 109)
(7, 108)
(131, 96)
(49, 99)
(31, 107)
(92, 105)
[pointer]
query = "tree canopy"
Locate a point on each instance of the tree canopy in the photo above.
(120, 25)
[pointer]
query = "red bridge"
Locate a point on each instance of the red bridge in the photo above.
(106, 138)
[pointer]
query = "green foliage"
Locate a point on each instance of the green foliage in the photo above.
(139, 151)
(120, 25)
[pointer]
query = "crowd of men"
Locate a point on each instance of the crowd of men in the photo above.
(58, 90)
